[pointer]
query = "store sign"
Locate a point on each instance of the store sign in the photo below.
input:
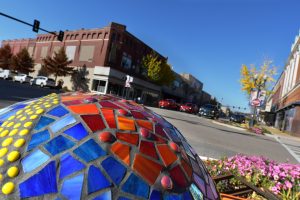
(257, 99)
(129, 79)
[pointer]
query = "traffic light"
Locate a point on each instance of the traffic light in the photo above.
(60, 36)
(36, 26)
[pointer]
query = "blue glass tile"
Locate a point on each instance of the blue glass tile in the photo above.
(58, 144)
(114, 169)
(18, 106)
(58, 111)
(78, 132)
(173, 197)
(187, 196)
(89, 151)
(38, 138)
(34, 160)
(136, 186)
(59, 124)
(123, 198)
(69, 165)
(5, 116)
(71, 188)
(44, 121)
(96, 180)
(155, 195)
(196, 193)
(104, 196)
(43, 182)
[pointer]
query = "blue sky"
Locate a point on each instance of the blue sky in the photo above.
(210, 39)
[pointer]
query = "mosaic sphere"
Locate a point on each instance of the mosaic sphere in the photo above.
(88, 146)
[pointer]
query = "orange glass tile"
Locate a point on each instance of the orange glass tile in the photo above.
(166, 154)
(109, 117)
(148, 149)
(145, 124)
(148, 169)
(187, 168)
(84, 109)
(128, 137)
(72, 98)
(122, 151)
(126, 124)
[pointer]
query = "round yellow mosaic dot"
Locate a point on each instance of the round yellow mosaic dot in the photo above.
(23, 118)
(1, 162)
(4, 123)
(27, 110)
(47, 106)
(36, 106)
(13, 132)
(24, 132)
(3, 151)
(13, 171)
(11, 117)
(27, 107)
(10, 124)
(1, 128)
(7, 142)
(19, 142)
(30, 113)
(17, 125)
(19, 116)
(55, 102)
(8, 188)
(13, 156)
(39, 111)
(19, 112)
(33, 117)
(27, 124)
(4, 133)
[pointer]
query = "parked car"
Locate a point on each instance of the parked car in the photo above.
(189, 108)
(237, 118)
(168, 103)
(209, 111)
(43, 81)
(22, 78)
(7, 74)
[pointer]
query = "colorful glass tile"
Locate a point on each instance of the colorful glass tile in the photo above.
(123, 198)
(178, 177)
(44, 121)
(172, 197)
(145, 124)
(94, 122)
(148, 149)
(160, 131)
(126, 123)
(167, 155)
(137, 115)
(58, 111)
(200, 183)
(171, 133)
(71, 188)
(148, 169)
(84, 109)
(78, 132)
(122, 151)
(34, 160)
(128, 137)
(96, 180)
(187, 168)
(73, 102)
(155, 195)
(196, 167)
(158, 139)
(187, 196)
(89, 151)
(213, 187)
(41, 183)
(104, 196)
(61, 123)
(69, 165)
(38, 138)
(136, 186)
(196, 193)
(108, 104)
(58, 144)
(114, 169)
(187, 149)
(109, 117)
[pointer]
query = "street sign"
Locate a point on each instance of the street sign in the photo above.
(256, 102)
(129, 79)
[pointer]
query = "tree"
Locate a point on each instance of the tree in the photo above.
(5, 57)
(158, 70)
(58, 65)
(80, 80)
(252, 77)
(43, 71)
(22, 62)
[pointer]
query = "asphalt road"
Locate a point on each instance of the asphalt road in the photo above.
(216, 141)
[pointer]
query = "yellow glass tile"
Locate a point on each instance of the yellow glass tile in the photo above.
(23, 118)
(13, 171)
(19, 143)
(8, 188)
(4, 133)
(4, 124)
(11, 117)
(10, 124)
(13, 132)
(1, 129)
(19, 116)
(39, 111)
(30, 113)
(1, 162)
(3, 151)
(33, 117)
(28, 124)
(24, 132)
(7, 142)
(17, 125)
(13, 156)
(19, 112)
(27, 110)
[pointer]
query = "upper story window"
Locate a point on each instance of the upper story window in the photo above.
(126, 61)
(94, 36)
(87, 53)
(99, 35)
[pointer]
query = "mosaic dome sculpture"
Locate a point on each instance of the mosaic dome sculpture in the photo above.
(86, 146)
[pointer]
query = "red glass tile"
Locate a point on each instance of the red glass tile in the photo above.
(159, 130)
(158, 140)
(84, 109)
(129, 137)
(94, 122)
(126, 124)
(187, 168)
(178, 177)
(148, 169)
(108, 104)
(106, 137)
(145, 124)
(122, 151)
(109, 117)
(138, 115)
(74, 102)
(148, 149)
(166, 154)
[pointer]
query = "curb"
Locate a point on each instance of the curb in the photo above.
(229, 126)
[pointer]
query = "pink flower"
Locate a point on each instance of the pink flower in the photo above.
(288, 184)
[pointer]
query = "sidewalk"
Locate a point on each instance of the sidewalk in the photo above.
(279, 133)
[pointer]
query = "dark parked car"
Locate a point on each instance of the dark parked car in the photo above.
(168, 103)
(209, 111)
(237, 118)
(189, 108)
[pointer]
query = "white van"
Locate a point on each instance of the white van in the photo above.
(42, 81)
(7, 74)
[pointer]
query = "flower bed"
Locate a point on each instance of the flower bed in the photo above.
(282, 179)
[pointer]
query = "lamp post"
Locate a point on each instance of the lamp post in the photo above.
(258, 85)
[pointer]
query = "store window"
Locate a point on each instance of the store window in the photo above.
(99, 85)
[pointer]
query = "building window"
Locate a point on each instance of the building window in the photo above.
(99, 85)
(44, 52)
(88, 36)
(72, 37)
(99, 35)
(86, 53)
(70, 51)
(55, 50)
(94, 36)
(126, 61)
(105, 35)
